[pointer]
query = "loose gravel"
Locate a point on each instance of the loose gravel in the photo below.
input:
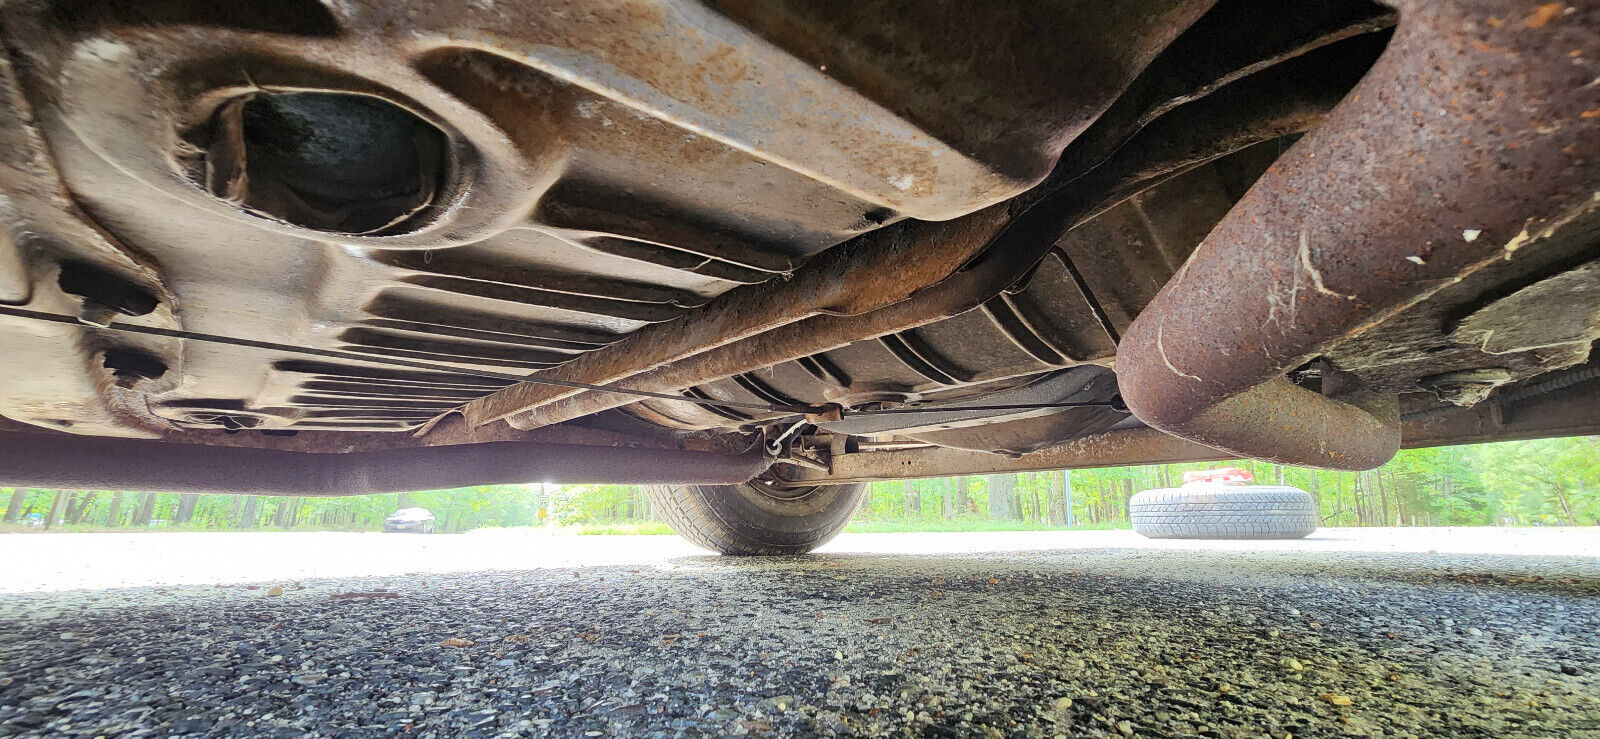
(1081, 643)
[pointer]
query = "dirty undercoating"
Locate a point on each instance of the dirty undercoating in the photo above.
(310, 225)
(1102, 642)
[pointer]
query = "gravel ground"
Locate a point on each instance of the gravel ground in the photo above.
(1079, 641)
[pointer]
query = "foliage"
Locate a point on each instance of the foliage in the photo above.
(939, 525)
(1547, 482)
(649, 528)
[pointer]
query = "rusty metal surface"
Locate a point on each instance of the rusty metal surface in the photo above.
(1472, 140)
(49, 375)
(1573, 411)
(1082, 384)
(948, 343)
(1554, 313)
(1225, 46)
(503, 186)
(1127, 446)
(1570, 407)
(786, 203)
(1542, 299)
(898, 50)
(1287, 101)
(870, 272)
(74, 462)
(583, 170)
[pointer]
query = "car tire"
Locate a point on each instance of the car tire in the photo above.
(755, 518)
(1223, 512)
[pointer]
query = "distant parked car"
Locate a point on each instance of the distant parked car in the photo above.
(414, 520)
(1223, 504)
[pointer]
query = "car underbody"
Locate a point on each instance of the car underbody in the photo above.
(303, 248)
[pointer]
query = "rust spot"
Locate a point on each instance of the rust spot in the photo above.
(1243, 404)
(1543, 15)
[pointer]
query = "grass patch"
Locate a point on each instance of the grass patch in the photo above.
(84, 528)
(897, 526)
(647, 528)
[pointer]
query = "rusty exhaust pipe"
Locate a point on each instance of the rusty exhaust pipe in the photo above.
(1248, 113)
(1479, 114)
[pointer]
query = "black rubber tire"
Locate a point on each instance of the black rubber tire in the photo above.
(1224, 512)
(754, 518)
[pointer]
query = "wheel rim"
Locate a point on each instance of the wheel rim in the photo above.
(771, 489)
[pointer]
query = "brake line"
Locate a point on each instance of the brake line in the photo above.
(1115, 403)
(807, 410)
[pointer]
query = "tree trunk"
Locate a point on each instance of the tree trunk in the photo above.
(1316, 495)
(147, 510)
(1038, 505)
(186, 503)
(1364, 502)
(1055, 501)
(913, 498)
(1448, 487)
(1383, 495)
(1338, 496)
(1002, 493)
(1127, 497)
(1071, 515)
(947, 503)
(280, 517)
(963, 497)
(1566, 508)
(1362, 490)
(248, 517)
(114, 516)
(19, 497)
(58, 506)
(83, 501)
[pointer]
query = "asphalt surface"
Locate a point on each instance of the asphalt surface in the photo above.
(1350, 633)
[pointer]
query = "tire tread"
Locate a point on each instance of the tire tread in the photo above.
(1215, 512)
(698, 513)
